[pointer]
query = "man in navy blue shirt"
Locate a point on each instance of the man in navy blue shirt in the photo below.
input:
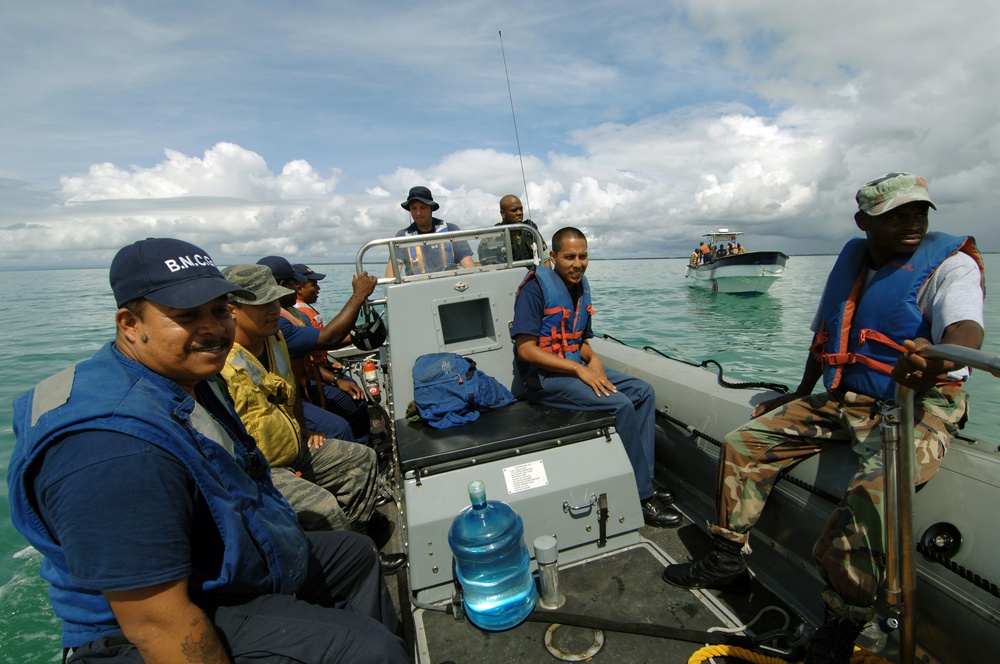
(164, 538)
(302, 339)
(421, 258)
(559, 369)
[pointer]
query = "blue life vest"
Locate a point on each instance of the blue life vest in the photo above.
(563, 324)
(265, 550)
(864, 328)
(415, 253)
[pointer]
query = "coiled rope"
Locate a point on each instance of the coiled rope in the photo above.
(860, 656)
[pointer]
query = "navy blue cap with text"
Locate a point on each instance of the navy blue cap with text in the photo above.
(169, 272)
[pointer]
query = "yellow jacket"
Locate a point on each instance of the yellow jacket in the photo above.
(264, 399)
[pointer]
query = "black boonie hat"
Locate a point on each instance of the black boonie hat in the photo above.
(422, 194)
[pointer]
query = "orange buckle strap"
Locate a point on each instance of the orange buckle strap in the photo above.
(866, 334)
(836, 359)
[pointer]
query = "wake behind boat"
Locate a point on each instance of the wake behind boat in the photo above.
(566, 474)
(734, 271)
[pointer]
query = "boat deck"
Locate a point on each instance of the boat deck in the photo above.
(620, 588)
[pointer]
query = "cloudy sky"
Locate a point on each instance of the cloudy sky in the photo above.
(259, 127)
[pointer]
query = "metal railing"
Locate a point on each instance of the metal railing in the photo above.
(504, 231)
(897, 441)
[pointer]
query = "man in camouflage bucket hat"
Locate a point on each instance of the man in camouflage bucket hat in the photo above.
(904, 288)
(330, 483)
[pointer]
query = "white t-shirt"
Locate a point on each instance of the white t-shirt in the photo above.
(951, 294)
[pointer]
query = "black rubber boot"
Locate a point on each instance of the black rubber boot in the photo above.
(833, 642)
(722, 569)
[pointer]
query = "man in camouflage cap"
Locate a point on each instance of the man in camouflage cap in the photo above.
(889, 295)
(331, 483)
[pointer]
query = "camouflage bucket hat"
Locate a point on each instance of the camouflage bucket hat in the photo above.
(892, 190)
(258, 280)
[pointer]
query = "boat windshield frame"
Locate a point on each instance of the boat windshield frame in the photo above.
(722, 234)
(504, 231)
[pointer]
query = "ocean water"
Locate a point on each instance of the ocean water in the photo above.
(640, 302)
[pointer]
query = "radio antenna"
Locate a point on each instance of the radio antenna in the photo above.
(527, 205)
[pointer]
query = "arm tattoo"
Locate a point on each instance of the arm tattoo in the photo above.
(202, 646)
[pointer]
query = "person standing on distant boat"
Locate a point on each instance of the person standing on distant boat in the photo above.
(706, 253)
(559, 369)
(493, 251)
(889, 295)
(423, 259)
(163, 536)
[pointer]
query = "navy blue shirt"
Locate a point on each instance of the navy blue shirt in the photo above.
(123, 518)
(528, 320)
(301, 340)
(528, 312)
(126, 512)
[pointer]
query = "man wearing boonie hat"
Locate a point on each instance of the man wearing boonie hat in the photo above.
(331, 483)
(890, 294)
(160, 527)
(423, 259)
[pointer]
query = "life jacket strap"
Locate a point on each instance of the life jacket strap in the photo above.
(837, 359)
(874, 335)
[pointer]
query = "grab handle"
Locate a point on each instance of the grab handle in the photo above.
(574, 509)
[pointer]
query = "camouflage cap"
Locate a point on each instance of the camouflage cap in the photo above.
(258, 280)
(892, 190)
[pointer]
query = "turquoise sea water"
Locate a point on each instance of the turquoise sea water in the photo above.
(640, 302)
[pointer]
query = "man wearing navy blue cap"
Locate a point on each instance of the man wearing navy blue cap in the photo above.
(307, 293)
(328, 387)
(162, 533)
(334, 334)
(421, 259)
(303, 339)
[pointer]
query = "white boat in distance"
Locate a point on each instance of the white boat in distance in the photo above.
(748, 273)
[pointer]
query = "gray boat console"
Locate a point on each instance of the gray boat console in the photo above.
(565, 472)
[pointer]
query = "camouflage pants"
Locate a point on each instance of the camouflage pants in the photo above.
(331, 488)
(850, 551)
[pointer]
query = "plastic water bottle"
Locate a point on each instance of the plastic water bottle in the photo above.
(875, 634)
(487, 540)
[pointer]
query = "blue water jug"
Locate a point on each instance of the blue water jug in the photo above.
(487, 540)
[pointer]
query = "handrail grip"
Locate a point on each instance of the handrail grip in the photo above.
(970, 357)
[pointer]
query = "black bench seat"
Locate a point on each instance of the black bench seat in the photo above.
(517, 428)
